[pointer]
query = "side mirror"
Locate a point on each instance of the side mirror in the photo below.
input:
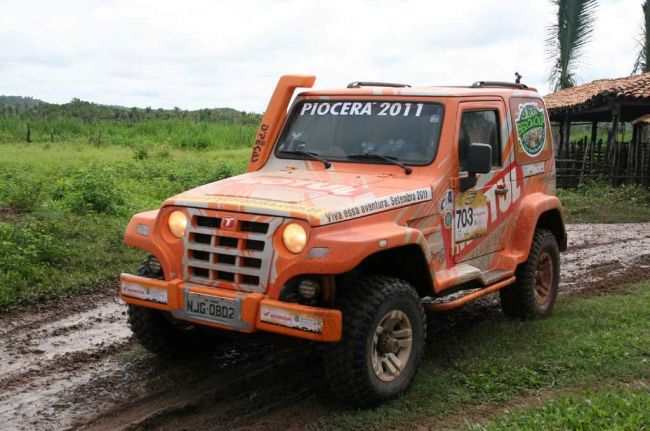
(479, 161)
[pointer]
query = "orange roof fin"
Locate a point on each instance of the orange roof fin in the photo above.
(275, 116)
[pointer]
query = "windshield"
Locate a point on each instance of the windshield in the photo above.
(346, 130)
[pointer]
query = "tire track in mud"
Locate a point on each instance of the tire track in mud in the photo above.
(75, 365)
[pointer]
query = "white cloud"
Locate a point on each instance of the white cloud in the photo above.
(203, 53)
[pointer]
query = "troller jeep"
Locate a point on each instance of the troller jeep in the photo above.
(361, 209)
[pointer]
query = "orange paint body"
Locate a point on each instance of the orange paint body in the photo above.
(353, 211)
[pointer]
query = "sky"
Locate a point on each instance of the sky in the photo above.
(209, 53)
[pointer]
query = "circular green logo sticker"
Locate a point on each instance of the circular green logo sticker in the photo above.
(531, 128)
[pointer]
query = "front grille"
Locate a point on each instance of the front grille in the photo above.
(231, 254)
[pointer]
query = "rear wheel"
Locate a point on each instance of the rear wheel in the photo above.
(157, 332)
(383, 341)
(534, 292)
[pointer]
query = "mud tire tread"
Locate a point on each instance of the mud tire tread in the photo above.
(518, 299)
(345, 361)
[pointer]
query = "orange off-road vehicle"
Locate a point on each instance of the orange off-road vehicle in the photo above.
(361, 209)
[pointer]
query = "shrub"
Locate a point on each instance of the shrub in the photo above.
(24, 249)
(95, 189)
(21, 194)
(140, 152)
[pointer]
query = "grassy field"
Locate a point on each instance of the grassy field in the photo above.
(599, 202)
(474, 374)
(63, 208)
(601, 409)
(173, 133)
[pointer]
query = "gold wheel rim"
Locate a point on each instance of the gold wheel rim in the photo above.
(544, 279)
(391, 345)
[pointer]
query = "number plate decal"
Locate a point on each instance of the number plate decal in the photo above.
(470, 216)
(213, 308)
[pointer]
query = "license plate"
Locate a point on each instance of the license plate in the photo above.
(213, 308)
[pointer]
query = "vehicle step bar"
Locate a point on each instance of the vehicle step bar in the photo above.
(439, 304)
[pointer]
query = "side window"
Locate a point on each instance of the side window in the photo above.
(479, 127)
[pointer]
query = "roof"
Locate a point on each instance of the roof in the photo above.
(636, 87)
(644, 119)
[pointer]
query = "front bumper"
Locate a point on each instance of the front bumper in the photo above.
(255, 311)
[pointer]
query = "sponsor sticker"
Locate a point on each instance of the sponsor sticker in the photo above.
(533, 169)
(378, 205)
(471, 216)
(290, 319)
(531, 128)
(446, 208)
(305, 185)
(379, 109)
(147, 293)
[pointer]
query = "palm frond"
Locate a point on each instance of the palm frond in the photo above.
(641, 64)
(567, 38)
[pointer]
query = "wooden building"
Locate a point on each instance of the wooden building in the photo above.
(618, 152)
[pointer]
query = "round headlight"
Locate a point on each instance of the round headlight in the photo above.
(294, 238)
(177, 223)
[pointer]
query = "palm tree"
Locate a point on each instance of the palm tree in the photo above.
(642, 65)
(567, 39)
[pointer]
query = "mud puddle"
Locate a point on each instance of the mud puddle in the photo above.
(75, 366)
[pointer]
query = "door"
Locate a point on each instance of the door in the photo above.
(476, 210)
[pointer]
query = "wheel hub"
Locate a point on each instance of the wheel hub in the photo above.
(543, 279)
(388, 344)
(392, 344)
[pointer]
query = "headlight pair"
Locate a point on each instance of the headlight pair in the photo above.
(294, 236)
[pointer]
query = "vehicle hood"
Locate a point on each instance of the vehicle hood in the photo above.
(320, 197)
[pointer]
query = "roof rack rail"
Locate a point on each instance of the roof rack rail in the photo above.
(481, 84)
(359, 84)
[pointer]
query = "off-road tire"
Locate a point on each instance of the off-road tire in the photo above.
(519, 299)
(348, 364)
(158, 332)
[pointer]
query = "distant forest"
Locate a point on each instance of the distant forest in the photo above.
(30, 108)
(27, 120)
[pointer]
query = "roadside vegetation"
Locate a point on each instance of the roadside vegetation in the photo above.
(600, 202)
(477, 372)
(63, 208)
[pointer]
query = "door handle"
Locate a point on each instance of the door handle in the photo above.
(501, 191)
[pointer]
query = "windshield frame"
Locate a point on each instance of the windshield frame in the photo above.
(299, 100)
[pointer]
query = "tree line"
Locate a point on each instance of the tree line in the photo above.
(28, 108)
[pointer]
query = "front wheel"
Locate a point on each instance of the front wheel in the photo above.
(383, 341)
(534, 292)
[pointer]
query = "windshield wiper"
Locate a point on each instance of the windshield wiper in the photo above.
(389, 159)
(314, 156)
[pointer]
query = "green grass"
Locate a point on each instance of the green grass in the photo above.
(64, 207)
(599, 202)
(587, 341)
(175, 133)
(603, 409)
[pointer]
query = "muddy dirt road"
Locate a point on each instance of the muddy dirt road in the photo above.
(75, 366)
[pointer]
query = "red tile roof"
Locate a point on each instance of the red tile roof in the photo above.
(636, 87)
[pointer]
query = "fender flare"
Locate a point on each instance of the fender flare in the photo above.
(533, 207)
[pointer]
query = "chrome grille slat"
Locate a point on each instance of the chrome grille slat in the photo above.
(225, 268)
(229, 234)
(226, 250)
(229, 255)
